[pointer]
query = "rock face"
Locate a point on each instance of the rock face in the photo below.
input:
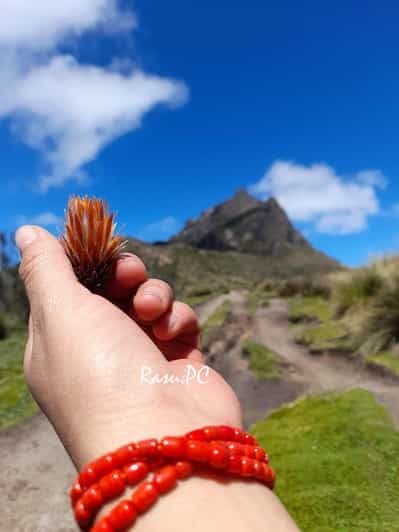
(245, 224)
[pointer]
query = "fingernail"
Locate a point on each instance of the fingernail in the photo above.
(25, 236)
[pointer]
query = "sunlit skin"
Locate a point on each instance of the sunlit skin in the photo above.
(82, 364)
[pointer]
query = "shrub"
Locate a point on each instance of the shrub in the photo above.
(305, 287)
(357, 288)
(381, 329)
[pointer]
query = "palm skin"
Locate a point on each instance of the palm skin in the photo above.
(85, 355)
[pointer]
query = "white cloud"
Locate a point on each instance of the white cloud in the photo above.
(44, 23)
(67, 110)
(374, 178)
(163, 228)
(316, 194)
(45, 218)
(70, 111)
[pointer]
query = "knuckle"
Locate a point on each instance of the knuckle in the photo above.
(30, 263)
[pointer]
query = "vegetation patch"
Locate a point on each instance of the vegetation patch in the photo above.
(309, 309)
(328, 336)
(262, 360)
(16, 403)
(381, 329)
(257, 299)
(214, 323)
(337, 462)
(356, 288)
(387, 361)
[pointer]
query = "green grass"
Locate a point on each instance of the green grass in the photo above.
(16, 402)
(214, 322)
(197, 299)
(257, 299)
(328, 336)
(309, 309)
(387, 360)
(337, 462)
(262, 360)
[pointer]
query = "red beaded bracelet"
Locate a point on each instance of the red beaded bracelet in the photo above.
(173, 458)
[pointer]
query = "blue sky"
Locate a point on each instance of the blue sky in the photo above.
(166, 108)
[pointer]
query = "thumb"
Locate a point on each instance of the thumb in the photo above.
(45, 269)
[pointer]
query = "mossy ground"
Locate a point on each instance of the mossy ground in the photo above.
(309, 308)
(318, 330)
(262, 360)
(337, 462)
(328, 336)
(16, 403)
(214, 322)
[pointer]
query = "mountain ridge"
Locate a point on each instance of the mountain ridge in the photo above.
(235, 244)
(245, 224)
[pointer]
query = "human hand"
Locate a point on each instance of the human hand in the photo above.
(85, 354)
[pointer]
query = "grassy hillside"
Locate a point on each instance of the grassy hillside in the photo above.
(16, 403)
(337, 462)
(188, 268)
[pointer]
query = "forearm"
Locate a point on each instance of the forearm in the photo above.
(213, 504)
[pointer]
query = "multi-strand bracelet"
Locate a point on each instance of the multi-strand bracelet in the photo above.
(170, 459)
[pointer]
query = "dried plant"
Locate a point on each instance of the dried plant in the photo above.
(90, 241)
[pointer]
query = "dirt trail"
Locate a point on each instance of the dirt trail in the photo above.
(36, 472)
(257, 397)
(320, 373)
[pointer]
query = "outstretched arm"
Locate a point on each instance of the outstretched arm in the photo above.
(84, 361)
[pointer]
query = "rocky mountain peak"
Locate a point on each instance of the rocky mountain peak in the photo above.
(243, 223)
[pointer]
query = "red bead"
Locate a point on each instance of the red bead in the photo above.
(76, 492)
(211, 433)
(112, 485)
(87, 477)
(123, 515)
(145, 496)
(165, 479)
(125, 455)
(104, 465)
(183, 469)
(197, 450)
(83, 515)
(225, 433)
(259, 453)
(234, 464)
(272, 479)
(197, 434)
(147, 448)
(103, 526)
(235, 448)
(247, 466)
(136, 472)
(93, 498)
(219, 455)
(173, 447)
(250, 440)
(258, 469)
(239, 436)
(269, 476)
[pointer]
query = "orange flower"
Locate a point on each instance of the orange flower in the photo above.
(90, 240)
